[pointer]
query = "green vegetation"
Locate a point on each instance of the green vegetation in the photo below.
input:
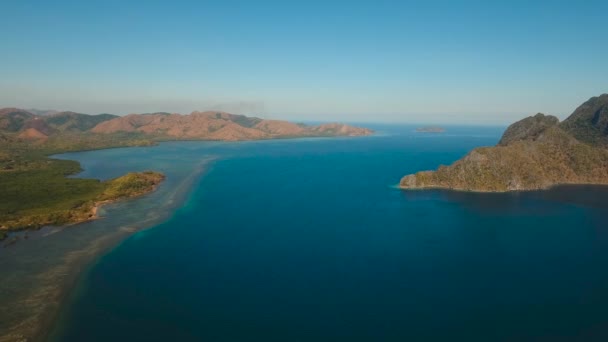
(12, 119)
(130, 185)
(69, 121)
(589, 122)
(534, 153)
(22, 155)
(246, 121)
(35, 191)
(522, 165)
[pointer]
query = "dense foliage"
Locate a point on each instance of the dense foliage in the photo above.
(34, 190)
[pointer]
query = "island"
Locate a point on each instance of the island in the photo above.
(430, 129)
(537, 152)
(36, 192)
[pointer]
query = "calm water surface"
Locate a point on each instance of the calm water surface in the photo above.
(307, 240)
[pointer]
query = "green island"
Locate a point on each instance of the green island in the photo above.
(35, 190)
(537, 152)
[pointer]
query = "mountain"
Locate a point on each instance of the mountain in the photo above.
(530, 128)
(32, 126)
(13, 119)
(589, 122)
(535, 153)
(42, 112)
(220, 126)
(210, 125)
(75, 122)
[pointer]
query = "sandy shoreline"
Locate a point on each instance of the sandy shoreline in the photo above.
(31, 314)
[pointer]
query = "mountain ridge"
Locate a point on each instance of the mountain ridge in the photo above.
(198, 125)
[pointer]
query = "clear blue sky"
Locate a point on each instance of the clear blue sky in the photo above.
(395, 61)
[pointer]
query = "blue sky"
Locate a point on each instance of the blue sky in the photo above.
(485, 62)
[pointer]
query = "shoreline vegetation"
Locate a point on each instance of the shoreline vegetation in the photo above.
(535, 153)
(39, 296)
(79, 209)
(36, 191)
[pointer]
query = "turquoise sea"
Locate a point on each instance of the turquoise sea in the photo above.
(309, 240)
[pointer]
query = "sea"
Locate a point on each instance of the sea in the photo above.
(311, 240)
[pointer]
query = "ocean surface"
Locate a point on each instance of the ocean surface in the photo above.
(309, 240)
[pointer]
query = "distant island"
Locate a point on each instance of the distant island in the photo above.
(535, 153)
(35, 191)
(430, 129)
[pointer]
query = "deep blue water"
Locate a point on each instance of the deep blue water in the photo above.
(307, 240)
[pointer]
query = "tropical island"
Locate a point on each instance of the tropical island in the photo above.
(35, 191)
(430, 129)
(537, 152)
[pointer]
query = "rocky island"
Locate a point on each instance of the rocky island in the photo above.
(535, 153)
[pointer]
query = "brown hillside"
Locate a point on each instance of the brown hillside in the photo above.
(32, 134)
(219, 126)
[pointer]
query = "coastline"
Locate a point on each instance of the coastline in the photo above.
(480, 191)
(42, 304)
(98, 204)
(84, 215)
(38, 288)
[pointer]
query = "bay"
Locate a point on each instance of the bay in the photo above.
(309, 240)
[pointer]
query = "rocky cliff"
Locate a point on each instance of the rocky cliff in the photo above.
(534, 153)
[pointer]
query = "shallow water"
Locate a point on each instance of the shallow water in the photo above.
(308, 240)
(41, 265)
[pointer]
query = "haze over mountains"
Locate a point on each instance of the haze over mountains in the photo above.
(534, 153)
(209, 125)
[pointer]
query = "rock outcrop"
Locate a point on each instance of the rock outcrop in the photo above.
(589, 122)
(535, 153)
(75, 122)
(529, 128)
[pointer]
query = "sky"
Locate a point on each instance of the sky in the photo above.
(451, 62)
